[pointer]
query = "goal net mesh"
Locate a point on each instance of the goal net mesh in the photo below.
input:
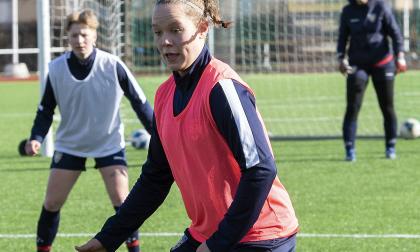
(284, 49)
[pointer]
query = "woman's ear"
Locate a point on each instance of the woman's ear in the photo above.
(203, 29)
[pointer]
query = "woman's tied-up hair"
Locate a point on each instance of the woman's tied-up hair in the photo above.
(202, 9)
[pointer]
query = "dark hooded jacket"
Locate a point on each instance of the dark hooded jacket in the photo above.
(368, 27)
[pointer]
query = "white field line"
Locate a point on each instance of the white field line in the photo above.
(24, 236)
(169, 234)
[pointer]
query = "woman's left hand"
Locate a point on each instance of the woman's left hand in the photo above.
(203, 248)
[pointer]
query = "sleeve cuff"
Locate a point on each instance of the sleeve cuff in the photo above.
(108, 246)
(37, 138)
(216, 247)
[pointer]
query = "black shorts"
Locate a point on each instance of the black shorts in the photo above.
(66, 161)
(288, 244)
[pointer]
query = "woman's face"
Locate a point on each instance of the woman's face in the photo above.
(178, 37)
(82, 40)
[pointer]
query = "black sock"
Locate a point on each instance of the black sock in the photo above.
(132, 242)
(47, 229)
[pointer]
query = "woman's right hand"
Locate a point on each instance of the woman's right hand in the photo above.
(91, 246)
(32, 147)
(401, 63)
(344, 67)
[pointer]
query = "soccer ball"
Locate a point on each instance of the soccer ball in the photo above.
(410, 129)
(21, 147)
(140, 139)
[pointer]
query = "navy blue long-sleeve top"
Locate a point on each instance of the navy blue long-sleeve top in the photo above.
(80, 70)
(156, 178)
(369, 27)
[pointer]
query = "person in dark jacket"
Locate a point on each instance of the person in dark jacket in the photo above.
(366, 26)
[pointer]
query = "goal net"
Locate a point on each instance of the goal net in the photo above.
(284, 49)
(111, 32)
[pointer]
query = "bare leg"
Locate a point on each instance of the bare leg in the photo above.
(116, 182)
(60, 183)
(59, 186)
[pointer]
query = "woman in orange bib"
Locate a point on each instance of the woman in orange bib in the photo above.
(208, 137)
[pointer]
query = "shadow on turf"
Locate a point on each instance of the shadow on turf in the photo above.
(339, 159)
(32, 169)
(364, 157)
(37, 169)
(306, 160)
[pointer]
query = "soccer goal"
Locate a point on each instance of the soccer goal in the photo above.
(284, 49)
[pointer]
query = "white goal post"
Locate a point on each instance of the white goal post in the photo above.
(43, 40)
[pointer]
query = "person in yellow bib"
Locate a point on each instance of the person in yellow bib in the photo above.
(208, 137)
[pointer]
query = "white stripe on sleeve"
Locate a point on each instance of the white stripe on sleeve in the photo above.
(134, 82)
(245, 133)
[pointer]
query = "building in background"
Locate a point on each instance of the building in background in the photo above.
(26, 35)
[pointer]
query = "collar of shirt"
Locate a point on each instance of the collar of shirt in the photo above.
(190, 80)
(88, 61)
(80, 69)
